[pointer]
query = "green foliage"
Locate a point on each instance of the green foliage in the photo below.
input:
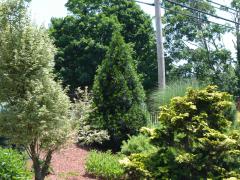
(163, 97)
(13, 166)
(195, 140)
(118, 95)
(104, 165)
(34, 106)
(196, 49)
(137, 144)
(83, 37)
(81, 110)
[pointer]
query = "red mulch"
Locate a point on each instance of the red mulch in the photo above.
(68, 164)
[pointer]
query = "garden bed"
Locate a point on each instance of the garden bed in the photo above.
(69, 164)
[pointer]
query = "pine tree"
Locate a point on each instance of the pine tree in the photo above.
(118, 93)
(34, 107)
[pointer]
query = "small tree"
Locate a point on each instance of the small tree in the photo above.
(34, 107)
(118, 93)
(195, 140)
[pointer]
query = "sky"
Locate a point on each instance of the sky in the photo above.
(43, 10)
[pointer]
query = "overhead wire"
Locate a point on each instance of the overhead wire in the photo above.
(213, 2)
(219, 8)
(221, 5)
(202, 19)
(201, 11)
(184, 14)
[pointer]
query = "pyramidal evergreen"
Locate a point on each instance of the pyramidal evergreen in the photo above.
(118, 93)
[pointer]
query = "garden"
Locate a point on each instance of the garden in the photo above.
(79, 100)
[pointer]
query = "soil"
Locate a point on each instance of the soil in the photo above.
(68, 164)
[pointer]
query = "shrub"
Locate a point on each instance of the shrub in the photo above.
(118, 95)
(13, 166)
(87, 135)
(195, 140)
(137, 144)
(104, 165)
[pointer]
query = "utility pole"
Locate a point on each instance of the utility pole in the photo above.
(160, 53)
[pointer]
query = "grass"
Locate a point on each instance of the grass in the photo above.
(160, 98)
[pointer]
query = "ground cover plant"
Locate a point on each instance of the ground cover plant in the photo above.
(195, 140)
(13, 165)
(104, 165)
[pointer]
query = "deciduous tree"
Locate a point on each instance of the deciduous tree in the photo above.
(34, 107)
(83, 37)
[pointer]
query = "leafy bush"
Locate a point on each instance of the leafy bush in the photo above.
(87, 135)
(195, 140)
(104, 165)
(13, 166)
(118, 94)
(137, 144)
(163, 97)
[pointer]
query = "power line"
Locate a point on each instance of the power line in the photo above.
(221, 5)
(219, 8)
(213, 2)
(195, 17)
(191, 16)
(204, 12)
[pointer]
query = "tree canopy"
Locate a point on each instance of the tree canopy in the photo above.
(195, 47)
(82, 39)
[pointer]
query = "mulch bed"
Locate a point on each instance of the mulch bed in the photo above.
(68, 164)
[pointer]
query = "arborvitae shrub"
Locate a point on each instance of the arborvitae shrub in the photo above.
(118, 95)
(195, 139)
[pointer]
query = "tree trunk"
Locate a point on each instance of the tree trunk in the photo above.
(46, 165)
(37, 169)
(40, 168)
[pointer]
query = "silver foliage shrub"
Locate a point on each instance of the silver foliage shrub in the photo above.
(82, 107)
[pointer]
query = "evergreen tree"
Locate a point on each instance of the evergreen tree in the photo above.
(118, 93)
(34, 108)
